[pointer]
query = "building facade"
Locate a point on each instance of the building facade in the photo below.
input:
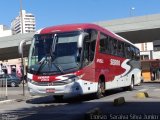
(5, 31)
(23, 23)
(150, 60)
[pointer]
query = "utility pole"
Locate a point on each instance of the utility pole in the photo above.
(21, 15)
(22, 63)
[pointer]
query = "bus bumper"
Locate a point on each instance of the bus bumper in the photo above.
(71, 88)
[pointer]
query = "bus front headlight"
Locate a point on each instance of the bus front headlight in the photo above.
(31, 81)
(70, 80)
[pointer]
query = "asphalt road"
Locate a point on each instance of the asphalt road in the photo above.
(75, 108)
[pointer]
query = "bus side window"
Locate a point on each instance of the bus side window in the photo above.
(131, 52)
(86, 51)
(109, 45)
(127, 51)
(120, 49)
(134, 53)
(137, 54)
(89, 47)
(92, 50)
(103, 46)
(114, 46)
(123, 53)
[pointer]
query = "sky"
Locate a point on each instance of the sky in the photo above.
(56, 12)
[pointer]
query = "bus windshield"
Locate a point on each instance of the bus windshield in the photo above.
(54, 53)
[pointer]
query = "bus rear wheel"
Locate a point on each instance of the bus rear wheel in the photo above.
(100, 90)
(131, 87)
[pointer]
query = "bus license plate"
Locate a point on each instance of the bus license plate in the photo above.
(50, 90)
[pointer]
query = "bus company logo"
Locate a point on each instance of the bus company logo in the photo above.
(100, 61)
(43, 78)
(115, 62)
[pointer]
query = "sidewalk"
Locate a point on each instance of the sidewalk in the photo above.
(15, 98)
(15, 95)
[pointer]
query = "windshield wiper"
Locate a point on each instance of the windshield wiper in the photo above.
(59, 67)
(41, 64)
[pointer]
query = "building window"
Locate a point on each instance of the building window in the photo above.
(144, 57)
(145, 46)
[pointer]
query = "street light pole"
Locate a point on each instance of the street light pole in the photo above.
(21, 15)
(22, 70)
(132, 11)
(20, 50)
(22, 63)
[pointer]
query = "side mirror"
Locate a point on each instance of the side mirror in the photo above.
(20, 47)
(81, 38)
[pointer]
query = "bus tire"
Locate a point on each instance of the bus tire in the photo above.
(58, 98)
(131, 87)
(100, 90)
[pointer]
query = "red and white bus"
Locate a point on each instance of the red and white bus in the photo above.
(81, 59)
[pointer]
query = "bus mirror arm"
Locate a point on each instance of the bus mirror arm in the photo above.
(20, 47)
(81, 39)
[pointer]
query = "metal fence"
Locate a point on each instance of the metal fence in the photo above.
(3, 89)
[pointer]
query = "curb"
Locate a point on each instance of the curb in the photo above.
(119, 101)
(142, 95)
(18, 99)
(7, 101)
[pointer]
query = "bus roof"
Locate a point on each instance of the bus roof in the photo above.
(74, 27)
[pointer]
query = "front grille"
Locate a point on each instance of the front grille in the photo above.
(56, 83)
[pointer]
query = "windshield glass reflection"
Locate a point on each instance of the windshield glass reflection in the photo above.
(54, 53)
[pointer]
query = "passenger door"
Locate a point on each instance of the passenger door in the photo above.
(89, 55)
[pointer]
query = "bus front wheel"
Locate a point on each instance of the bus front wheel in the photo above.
(100, 90)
